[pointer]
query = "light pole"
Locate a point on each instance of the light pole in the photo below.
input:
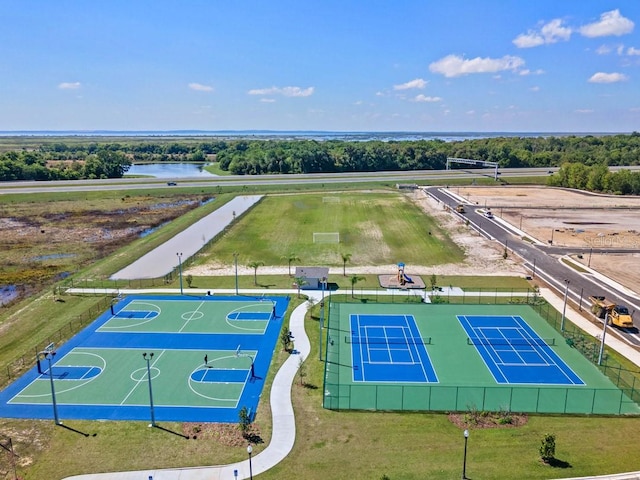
(235, 261)
(240, 353)
(148, 359)
(604, 334)
(249, 451)
(49, 354)
(464, 458)
(321, 322)
(564, 306)
(589, 262)
(180, 269)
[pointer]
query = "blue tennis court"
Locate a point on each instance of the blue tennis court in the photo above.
(389, 348)
(515, 353)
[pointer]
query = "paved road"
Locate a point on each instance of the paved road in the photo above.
(544, 262)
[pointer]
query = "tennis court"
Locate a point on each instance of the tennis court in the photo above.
(203, 358)
(457, 357)
(388, 348)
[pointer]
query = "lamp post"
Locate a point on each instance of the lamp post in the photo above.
(48, 354)
(249, 451)
(589, 262)
(235, 261)
(180, 269)
(148, 359)
(321, 322)
(604, 334)
(464, 458)
(564, 306)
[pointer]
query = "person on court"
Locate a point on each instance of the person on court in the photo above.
(206, 360)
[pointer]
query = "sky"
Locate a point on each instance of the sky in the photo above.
(324, 65)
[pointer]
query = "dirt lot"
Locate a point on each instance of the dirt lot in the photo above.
(572, 219)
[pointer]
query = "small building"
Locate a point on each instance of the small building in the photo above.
(313, 276)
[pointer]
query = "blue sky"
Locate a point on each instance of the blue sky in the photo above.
(402, 65)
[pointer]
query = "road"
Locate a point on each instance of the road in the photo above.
(403, 177)
(544, 262)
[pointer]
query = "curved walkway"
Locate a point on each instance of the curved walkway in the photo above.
(282, 437)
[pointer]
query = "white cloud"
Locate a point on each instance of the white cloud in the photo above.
(455, 66)
(198, 87)
(424, 98)
(633, 51)
(526, 72)
(417, 83)
(602, 77)
(268, 100)
(610, 23)
(551, 32)
(284, 91)
(69, 85)
(584, 110)
(535, 89)
(603, 50)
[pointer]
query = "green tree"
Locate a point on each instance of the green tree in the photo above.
(354, 279)
(244, 421)
(548, 448)
(189, 279)
(292, 257)
(433, 281)
(255, 265)
(345, 258)
(300, 282)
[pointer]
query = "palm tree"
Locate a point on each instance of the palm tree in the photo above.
(292, 257)
(354, 279)
(300, 282)
(255, 266)
(345, 258)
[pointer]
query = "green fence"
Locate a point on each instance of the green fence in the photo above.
(625, 399)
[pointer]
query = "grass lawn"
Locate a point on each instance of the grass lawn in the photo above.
(375, 228)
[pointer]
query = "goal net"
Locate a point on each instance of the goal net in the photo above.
(322, 237)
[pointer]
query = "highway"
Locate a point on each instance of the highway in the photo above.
(544, 262)
(408, 177)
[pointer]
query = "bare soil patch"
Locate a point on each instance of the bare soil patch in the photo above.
(570, 218)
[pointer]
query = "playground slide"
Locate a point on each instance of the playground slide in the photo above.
(407, 278)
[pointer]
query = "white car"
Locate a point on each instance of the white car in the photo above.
(488, 214)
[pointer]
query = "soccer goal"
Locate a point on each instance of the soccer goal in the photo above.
(326, 237)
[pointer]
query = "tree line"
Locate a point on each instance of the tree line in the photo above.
(596, 178)
(77, 159)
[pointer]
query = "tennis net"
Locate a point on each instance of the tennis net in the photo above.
(387, 340)
(520, 342)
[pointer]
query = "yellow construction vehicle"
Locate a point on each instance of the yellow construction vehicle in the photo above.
(460, 208)
(617, 315)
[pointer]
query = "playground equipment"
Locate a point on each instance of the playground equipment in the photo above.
(403, 278)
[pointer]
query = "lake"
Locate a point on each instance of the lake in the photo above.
(169, 170)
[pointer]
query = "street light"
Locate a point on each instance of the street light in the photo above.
(180, 269)
(148, 360)
(321, 322)
(464, 459)
(564, 307)
(49, 353)
(249, 451)
(235, 261)
(604, 334)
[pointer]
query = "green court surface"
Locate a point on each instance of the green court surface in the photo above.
(466, 373)
(182, 358)
(117, 377)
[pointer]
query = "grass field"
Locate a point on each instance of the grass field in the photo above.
(375, 228)
(358, 445)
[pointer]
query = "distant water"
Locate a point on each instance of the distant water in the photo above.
(296, 135)
(168, 170)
